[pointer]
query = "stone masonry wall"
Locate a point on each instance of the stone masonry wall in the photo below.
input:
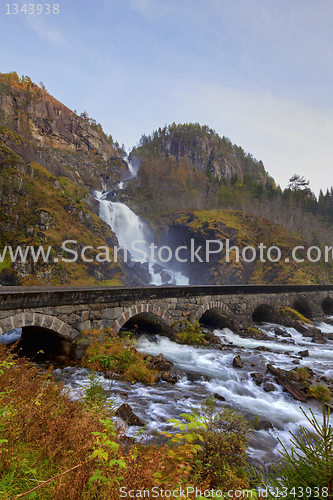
(68, 321)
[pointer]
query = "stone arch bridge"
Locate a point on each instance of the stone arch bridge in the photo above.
(67, 311)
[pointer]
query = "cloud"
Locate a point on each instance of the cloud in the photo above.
(50, 34)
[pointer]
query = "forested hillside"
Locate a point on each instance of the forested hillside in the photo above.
(189, 167)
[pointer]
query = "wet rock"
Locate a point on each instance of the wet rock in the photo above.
(165, 277)
(159, 363)
(318, 338)
(262, 425)
(302, 386)
(218, 396)
(194, 376)
(257, 378)
(268, 387)
(263, 348)
(304, 354)
(112, 375)
(123, 394)
(172, 378)
(282, 333)
(212, 339)
(287, 380)
(254, 333)
(126, 413)
(237, 362)
(157, 268)
(296, 362)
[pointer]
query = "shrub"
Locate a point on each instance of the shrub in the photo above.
(190, 333)
(118, 355)
(303, 373)
(95, 398)
(44, 435)
(320, 392)
(222, 460)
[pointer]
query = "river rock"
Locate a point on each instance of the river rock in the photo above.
(318, 338)
(126, 413)
(264, 425)
(257, 378)
(254, 333)
(159, 363)
(304, 354)
(112, 375)
(237, 362)
(172, 378)
(283, 333)
(212, 339)
(157, 268)
(268, 387)
(218, 396)
(165, 277)
(287, 380)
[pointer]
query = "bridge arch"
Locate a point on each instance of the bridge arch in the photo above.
(263, 313)
(327, 306)
(28, 319)
(140, 309)
(301, 305)
(213, 305)
(215, 314)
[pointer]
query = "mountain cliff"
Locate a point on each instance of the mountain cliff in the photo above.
(51, 162)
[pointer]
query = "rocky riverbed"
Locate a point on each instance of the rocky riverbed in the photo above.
(241, 372)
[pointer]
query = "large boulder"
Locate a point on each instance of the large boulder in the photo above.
(126, 413)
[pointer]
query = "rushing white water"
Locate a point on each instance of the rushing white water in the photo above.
(133, 234)
(10, 337)
(209, 370)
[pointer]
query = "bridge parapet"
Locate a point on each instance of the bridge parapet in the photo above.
(69, 311)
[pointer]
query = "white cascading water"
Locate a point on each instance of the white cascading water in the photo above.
(129, 228)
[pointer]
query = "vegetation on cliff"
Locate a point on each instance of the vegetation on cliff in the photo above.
(235, 230)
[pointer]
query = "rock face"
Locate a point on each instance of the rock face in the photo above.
(55, 137)
(52, 160)
(49, 122)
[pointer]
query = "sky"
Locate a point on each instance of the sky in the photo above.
(257, 71)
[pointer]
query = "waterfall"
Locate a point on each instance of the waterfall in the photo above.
(133, 234)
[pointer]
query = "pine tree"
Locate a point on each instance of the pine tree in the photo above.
(307, 470)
